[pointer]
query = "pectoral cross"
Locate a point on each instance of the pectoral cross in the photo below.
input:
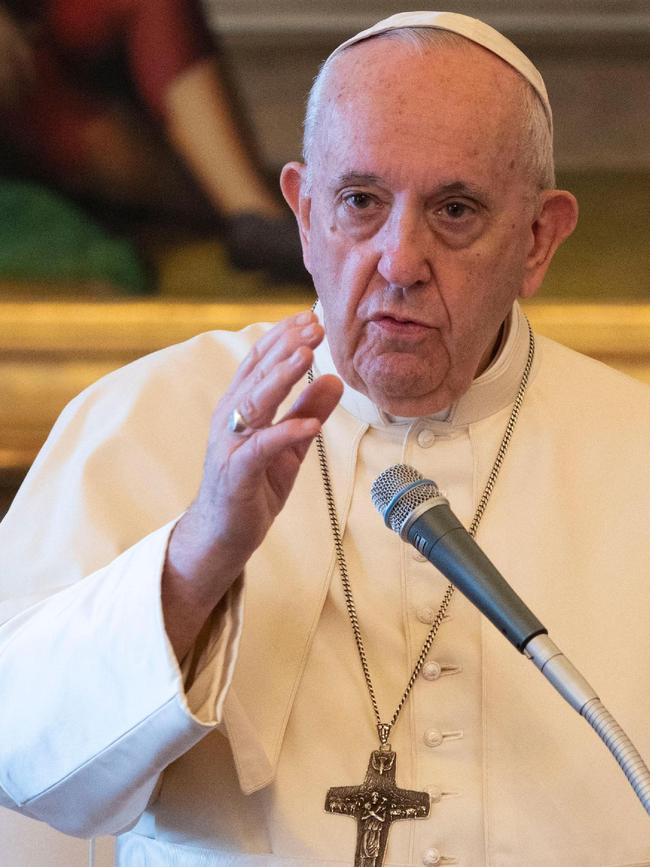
(375, 804)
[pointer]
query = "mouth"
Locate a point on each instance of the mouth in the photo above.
(399, 326)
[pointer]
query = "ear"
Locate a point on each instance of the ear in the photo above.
(555, 220)
(293, 183)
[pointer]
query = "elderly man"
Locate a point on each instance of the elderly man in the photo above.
(219, 678)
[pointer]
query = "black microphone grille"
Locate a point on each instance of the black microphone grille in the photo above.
(398, 491)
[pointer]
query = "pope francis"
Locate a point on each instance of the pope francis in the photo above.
(213, 648)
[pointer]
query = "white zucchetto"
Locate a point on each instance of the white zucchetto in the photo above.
(472, 29)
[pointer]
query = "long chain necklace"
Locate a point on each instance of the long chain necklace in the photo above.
(378, 802)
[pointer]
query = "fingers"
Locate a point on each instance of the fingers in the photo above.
(248, 476)
(317, 401)
(300, 425)
(276, 363)
(279, 343)
(258, 402)
(269, 443)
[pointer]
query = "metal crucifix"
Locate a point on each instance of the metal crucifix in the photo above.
(375, 804)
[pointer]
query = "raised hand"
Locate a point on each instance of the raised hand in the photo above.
(247, 476)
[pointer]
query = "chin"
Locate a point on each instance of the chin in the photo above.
(406, 388)
(410, 402)
(398, 397)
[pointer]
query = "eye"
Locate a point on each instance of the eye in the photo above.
(358, 201)
(456, 210)
(460, 221)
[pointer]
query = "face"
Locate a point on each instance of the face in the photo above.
(418, 224)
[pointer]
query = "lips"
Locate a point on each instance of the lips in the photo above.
(399, 326)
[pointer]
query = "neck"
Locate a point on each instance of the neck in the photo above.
(491, 352)
(488, 394)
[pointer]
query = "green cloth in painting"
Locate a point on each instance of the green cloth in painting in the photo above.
(44, 238)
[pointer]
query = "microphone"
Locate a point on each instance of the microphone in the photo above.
(415, 509)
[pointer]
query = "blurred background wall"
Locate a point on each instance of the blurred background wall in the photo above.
(593, 55)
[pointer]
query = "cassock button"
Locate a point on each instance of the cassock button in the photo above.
(431, 670)
(425, 615)
(431, 857)
(433, 737)
(425, 438)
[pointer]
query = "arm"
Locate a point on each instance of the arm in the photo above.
(94, 705)
(247, 478)
(92, 681)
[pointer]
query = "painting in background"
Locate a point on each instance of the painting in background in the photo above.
(121, 137)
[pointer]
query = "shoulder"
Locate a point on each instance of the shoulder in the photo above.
(126, 455)
(196, 368)
(162, 403)
(569, 378)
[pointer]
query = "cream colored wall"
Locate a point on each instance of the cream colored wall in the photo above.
(27, 843)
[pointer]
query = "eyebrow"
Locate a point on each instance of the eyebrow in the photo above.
(356, 178)
(450, 188)
(461, 188)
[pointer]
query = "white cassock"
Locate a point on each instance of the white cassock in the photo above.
(271, 708)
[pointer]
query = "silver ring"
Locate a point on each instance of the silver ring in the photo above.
(237, 421)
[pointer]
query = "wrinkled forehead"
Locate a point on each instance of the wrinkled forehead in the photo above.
(417, 118)
(469, 28)
(391, 91)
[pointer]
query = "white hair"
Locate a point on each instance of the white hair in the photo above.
(536, 135)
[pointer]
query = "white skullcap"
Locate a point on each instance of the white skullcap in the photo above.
(472, 29)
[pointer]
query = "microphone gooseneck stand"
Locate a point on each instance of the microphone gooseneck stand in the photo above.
(414, 508)
(573, 687)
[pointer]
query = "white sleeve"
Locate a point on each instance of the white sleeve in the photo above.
(94, 703)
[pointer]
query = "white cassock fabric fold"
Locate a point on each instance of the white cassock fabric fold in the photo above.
(91, 634)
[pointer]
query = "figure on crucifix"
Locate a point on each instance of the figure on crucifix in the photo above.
(375, 804)
(372, 821)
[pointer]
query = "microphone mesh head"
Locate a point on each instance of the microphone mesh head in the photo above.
(387, 487)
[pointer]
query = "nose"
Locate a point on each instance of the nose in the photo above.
(405, 241)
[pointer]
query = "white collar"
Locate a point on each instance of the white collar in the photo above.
(490, 392)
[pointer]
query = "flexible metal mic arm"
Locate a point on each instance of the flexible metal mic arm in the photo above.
(414, 508)
(573, 687)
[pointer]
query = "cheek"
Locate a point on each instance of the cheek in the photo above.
(342, 275)
(342, 287)
(343, 329)
(345, 336)
(493, 279)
